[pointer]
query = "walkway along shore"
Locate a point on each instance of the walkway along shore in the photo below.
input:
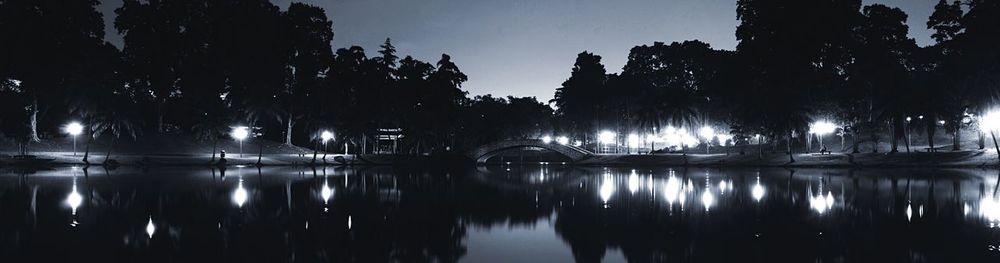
(972, 158)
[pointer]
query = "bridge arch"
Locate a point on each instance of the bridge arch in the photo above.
(485, 152)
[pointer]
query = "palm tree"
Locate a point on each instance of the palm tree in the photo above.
(116, 119)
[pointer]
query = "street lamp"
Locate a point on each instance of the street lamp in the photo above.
(606, 137)
(906, 128)
(707, 133)
(821, 128)
(240, 133)
(73, 129)
(562, 140)
(546, 139)
(991, 122)
(325, 136)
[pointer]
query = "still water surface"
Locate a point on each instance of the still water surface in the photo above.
(536, 213)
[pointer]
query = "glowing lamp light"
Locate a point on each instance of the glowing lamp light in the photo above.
(607, 137)
(240, 133)
(240, 196)
(989, 209)
(607, 189)
(546, 139)
(672, 189)
(74, 200)
(634, 140)
(633, 182)
(326, 192)
(822, 128)
(326, 136)
(757, 191)
(73, 128)
(707, 199)
(562, 140)
(990, 121)
(706, 132)
(150, 228)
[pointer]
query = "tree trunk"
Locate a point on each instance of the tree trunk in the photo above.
(33, 119)
(791, 158)
(110, 146)
(215, 144)
(856, 141)
(874, 136)
(931, 130)
(86, 152)
(159, 115)
(760, 147)
(288, 129)
(809, 137)
(982, 140)
(956, 139)
(315, 151)
(260, 153)
(895, 134)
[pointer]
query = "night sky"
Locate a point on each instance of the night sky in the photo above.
(527, 47)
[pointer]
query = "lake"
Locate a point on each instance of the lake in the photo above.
(513, 213)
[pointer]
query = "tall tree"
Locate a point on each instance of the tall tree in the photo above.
(309, 58)
(45, 43)
(579, 100)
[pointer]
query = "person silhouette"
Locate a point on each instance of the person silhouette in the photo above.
(222, 158)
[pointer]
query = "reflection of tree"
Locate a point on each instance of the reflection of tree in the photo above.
(408, 215)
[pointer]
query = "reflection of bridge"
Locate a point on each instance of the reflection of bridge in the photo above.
(488, 151)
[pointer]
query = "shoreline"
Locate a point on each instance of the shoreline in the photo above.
(958, 159)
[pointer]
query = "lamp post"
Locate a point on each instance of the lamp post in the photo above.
(906, 128)
(74, 129)
(606, 137)
(240, 133)
(707, 133)
(325, 136)
(991, 122)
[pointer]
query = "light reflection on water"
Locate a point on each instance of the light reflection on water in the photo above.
(574, 213)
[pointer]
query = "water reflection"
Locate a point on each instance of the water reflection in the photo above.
(150, 228)
(489, 214)
(74, 200)
(757, 190)
(240, 194)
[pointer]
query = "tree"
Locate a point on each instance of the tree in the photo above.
(795, 52)
(114, 118)
(945, 21)
(579, 100)
(309, 58)
(45, 43)
(881, 69)
(154, 33)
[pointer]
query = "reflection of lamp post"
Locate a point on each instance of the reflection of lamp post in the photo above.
(240, 195)
(74, 200)
(74, 129)
(240, 133)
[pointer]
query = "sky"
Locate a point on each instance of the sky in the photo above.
(527, 47)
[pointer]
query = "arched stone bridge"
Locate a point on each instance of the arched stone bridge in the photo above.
(488, 151)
